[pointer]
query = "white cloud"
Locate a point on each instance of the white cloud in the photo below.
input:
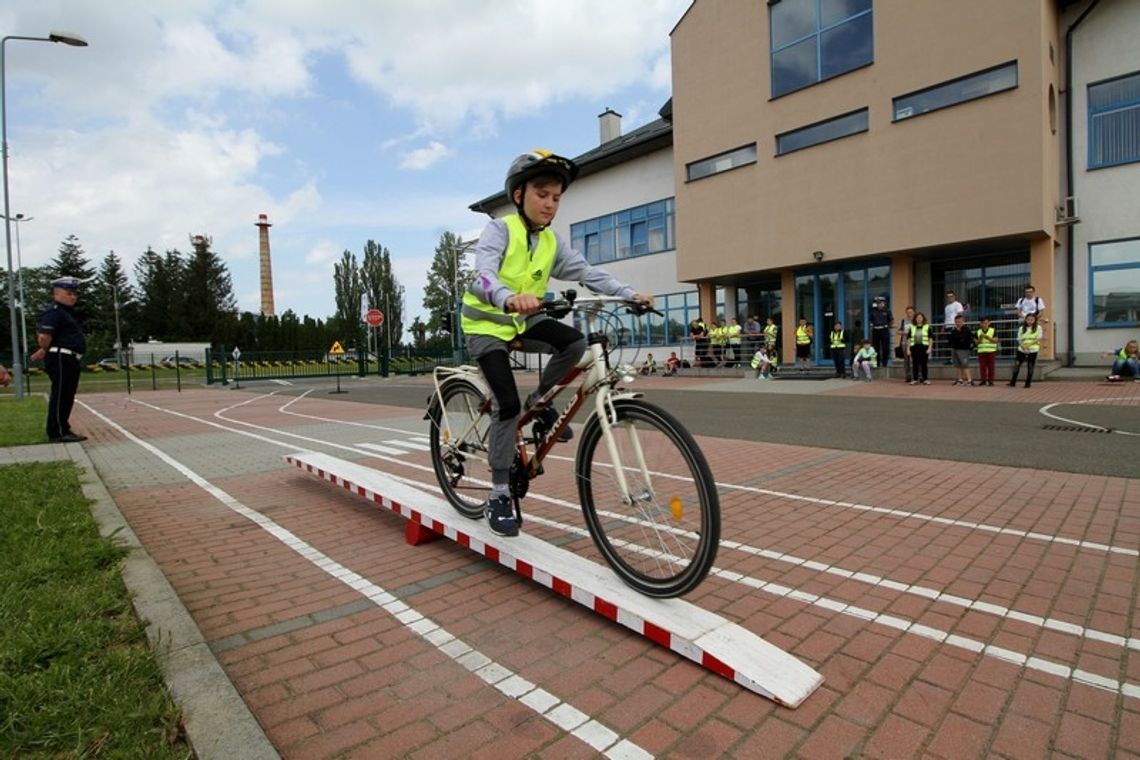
(422, 158)
(161, 127)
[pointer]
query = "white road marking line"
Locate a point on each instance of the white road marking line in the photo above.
(382, 449)
(511, 685)
(803, 596)
(407, 445)
(1045, 410)
(897, 513)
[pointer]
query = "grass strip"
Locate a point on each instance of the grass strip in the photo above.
(24, 421)
(77, 676)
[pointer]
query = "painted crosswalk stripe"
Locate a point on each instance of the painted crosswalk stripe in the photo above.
(382, 449)
(408, 445)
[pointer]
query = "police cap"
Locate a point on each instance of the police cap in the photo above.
(67, 283)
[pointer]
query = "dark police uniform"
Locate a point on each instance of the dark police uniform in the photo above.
(881, 330)
(61, 362)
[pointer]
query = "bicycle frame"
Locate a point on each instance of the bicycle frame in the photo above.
(598, 379)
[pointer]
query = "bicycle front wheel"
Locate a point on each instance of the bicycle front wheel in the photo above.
(459, 429)
(658, 525)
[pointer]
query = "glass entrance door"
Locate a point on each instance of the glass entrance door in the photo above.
(843, 295)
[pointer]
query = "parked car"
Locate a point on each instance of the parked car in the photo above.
(109, 363)
(182, 361)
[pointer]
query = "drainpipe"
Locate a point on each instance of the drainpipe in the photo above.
(1070, 330)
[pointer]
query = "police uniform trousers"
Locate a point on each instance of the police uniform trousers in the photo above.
(63, 369)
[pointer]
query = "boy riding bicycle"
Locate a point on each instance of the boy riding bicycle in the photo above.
(514, 261)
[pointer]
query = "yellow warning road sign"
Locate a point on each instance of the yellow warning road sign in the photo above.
(337, 349)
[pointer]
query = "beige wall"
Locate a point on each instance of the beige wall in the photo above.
(973, 171)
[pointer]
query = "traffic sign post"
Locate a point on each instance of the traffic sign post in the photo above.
(374, 317)
(337, 350)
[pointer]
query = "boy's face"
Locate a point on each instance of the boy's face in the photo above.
(540, 199)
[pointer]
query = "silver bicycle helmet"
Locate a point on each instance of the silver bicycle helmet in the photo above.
(535, 164)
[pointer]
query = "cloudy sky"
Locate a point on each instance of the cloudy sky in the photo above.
(343, 120)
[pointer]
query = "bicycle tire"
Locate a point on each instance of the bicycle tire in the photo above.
(460, 415)
(664, 544)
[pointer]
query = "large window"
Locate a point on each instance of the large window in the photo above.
(814, 40)
(636, 231)
(825, 131)
(1114, 122)
(961, 90)
(1114, 283)
(721, 162)
(989, 286)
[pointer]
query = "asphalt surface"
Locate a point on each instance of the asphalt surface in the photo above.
(1008, 434)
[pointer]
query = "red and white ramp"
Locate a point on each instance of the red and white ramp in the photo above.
(705, 638)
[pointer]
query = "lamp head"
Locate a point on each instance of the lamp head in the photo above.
(67, 38)
(817, 255)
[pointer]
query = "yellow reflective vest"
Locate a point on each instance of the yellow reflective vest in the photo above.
(837, 339)
(1029, 341)
(917, 331)
(523, 271)
(987, 340)
(803, 337)
(770, 334)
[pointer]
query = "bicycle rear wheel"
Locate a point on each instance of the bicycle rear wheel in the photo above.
(661, 535)
(459, 429)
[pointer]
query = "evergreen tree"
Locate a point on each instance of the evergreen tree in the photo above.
(71, 261)
(110, 282)
(349, 296)
(161, 301)
(210, 305)
(383, 290)
(447, 278)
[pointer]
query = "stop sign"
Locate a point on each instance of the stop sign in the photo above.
(374, 317)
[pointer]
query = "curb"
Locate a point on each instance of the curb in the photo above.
(218, 723)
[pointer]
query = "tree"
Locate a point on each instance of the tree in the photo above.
(161, 298)
(349, 295)
(447, 278)
(71, 261)
(382, 289)
(111, 281)
(210, 305)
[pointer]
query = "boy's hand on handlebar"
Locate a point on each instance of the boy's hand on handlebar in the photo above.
(523, 303)
(647, 300)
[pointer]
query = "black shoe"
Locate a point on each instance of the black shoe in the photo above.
(500, 516)
(69, 438)
(545, 419)
(1012, 383)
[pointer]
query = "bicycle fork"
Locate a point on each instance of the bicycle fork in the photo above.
(607, 412)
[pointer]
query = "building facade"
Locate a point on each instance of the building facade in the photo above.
(837, 151)
(1103, 172)
(819, 153)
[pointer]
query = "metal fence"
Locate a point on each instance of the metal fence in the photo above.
(223, 367)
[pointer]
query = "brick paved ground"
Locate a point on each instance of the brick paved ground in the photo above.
(992, 619)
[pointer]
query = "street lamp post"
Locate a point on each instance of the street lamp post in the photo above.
(19, 219)
(67, 39)
(461, 249)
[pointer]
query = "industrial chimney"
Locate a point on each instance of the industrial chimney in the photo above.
(263, 226)
(609, 125)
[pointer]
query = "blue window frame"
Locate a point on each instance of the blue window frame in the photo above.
(1114, 122)
(824, 131)
(814, 40)
(637, 231)
(961, 90)
(1114, 283)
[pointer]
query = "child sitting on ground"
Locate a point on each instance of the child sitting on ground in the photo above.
(866, 358)
(650, 366)
(762, 364)
(672, 364)
(1125, 362)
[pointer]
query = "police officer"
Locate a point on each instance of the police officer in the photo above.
(881, 321)
(61, 346)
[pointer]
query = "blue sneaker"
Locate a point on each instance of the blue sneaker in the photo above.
(500, 515)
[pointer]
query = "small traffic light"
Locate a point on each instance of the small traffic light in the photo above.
(445, 321)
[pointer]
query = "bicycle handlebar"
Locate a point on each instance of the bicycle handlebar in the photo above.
(570, 301)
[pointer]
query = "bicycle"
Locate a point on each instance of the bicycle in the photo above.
(647, 494)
